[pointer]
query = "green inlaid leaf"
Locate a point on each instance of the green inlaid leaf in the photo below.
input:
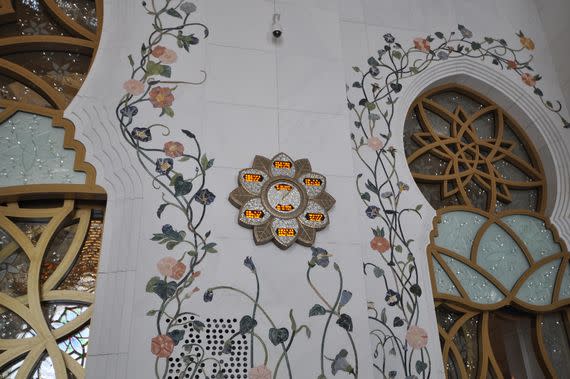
(317, 310)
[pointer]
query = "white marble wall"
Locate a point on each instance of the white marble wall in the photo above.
(554, 17)
(287, 96)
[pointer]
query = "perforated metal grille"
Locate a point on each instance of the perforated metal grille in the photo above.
(201, 355)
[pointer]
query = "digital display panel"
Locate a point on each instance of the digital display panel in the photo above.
(282, 164)
(286, 232)
(313, 181)
(284, 207)
(283, 187)
(314, 216)
(253, 177)
(254, 213)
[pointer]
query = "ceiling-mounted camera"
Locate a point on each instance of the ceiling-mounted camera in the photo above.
(276, 28)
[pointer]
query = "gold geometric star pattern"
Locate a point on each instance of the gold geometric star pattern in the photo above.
(473, 150)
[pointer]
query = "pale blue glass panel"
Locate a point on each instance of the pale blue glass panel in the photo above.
(538, 287)
(442, 280)
(500, 255)
(479, 289)
(31, 152)
(533, 232)
(457, 230)
(565, 285)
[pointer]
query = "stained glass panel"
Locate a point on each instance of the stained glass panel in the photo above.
(535, 235)
(457, 231)
(467, 341)
(59, 62)
(555, 338)
(450, 99)
(64, 71)
(565, 286)
(10, 371)
(538, 287)
(499, 254)
(442, 280)
(14, 265)
(56, 250)
(446, 318)
(60, 314)
(81, 11)
(76, 345)
(83, 274)
(31, 152)
(32, 19)
(13, 326)
(479, 289)
(44, 370)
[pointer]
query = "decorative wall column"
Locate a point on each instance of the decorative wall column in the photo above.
(169, 116)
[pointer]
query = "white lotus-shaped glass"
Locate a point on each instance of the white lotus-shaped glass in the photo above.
(497, 259)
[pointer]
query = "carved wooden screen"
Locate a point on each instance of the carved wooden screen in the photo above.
(49, 253)
(51, 210)
(499, 269)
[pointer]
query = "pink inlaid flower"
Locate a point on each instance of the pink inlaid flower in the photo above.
(168, 56)
(260, 372)
(511, 65)
(162, 346)
(161, 97)
(134, 87)
(158, 50)
(178, 271)
(173, 149)
(528, 79)
(416, 337)
(380, 244)
(421, 44)
(169, 266)
(375, 143)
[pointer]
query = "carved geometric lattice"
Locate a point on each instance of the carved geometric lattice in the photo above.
(49, 250)
(48, 266)
(463, 149)
(498, 266)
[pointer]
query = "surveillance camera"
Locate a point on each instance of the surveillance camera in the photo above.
(277, 31)
(276, 28)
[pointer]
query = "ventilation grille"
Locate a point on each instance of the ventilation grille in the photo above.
(234, 365)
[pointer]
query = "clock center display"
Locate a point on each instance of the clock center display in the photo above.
(283, 197)
(282, 200)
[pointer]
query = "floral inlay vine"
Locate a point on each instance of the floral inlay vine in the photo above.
(383, 193)
(150, 86)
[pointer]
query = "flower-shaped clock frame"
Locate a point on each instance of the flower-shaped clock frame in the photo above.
(282, 200)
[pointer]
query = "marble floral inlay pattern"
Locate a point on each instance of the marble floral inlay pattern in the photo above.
(178, 169)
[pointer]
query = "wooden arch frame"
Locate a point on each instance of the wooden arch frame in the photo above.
(487, 362)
